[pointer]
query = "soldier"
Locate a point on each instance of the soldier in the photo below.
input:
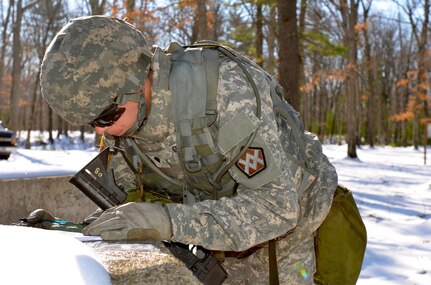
(212, 154)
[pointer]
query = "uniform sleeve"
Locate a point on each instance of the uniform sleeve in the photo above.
(266, 205)
(258, 215)
(317, 200)
(239, 222)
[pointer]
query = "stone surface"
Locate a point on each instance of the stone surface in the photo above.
(142, 263)
(19, 197)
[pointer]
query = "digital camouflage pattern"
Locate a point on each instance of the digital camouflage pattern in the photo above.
(285, 206)
(283, 201)
(90, 62)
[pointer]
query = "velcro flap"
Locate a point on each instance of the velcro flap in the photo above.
(236, 130)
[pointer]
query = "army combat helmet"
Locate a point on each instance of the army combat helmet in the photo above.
(92, 62)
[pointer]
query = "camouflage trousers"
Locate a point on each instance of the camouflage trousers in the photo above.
(295, 260)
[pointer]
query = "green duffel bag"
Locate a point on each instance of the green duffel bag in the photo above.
(340, 242)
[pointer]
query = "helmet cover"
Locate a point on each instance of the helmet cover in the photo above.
(90, 62)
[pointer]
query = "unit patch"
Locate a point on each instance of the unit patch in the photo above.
(252, 161)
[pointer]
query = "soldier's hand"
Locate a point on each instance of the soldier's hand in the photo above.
(132, 221)
(39, 218)
(43, 219)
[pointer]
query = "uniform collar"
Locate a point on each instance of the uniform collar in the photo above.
(160, 65)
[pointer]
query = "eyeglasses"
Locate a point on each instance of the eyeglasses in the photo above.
(108, 117)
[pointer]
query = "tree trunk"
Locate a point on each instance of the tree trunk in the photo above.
(301, 29)
(50, 127)
(289, 52)
(349, 12)
(371, 110)
(418, 100)
(59, 127)
(50, 12)
(421, 94)
(66, 129)
(4, 37)
(270, 67)
(82, 133)
(130, 11)
(30, 122)
(16, 67)
(200, 28)
(259, 34)
(96, 7)
(216, 22)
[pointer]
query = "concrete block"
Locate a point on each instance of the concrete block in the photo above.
(19, 197)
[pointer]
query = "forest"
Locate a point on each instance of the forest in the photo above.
(357, 71)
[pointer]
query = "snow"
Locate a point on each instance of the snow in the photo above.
(35, 256)
(42, 160)
(391, 186)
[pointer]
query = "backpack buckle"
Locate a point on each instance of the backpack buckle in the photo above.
(194, 165)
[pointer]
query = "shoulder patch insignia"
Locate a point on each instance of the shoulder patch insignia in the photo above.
(252, 162)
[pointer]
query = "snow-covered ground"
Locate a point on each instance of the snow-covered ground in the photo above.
(66, 156)
(392, 187)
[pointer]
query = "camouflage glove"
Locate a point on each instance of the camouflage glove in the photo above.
(43, 219)
(132, 221)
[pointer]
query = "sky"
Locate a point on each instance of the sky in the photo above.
(391, 186)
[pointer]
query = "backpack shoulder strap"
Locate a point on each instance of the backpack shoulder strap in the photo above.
(193, 81)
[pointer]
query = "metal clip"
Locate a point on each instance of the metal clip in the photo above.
(194, 165)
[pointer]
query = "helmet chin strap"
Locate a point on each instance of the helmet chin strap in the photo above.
(140, 98)
(136, 97)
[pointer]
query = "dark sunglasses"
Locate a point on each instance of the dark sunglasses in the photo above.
(108, 117)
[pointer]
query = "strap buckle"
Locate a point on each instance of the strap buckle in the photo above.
(194, 165)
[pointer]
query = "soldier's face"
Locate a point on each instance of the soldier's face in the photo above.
(125, 122)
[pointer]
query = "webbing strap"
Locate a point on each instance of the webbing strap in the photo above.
(211, 64)
(192, 161)
(273, 268)
(150, 164)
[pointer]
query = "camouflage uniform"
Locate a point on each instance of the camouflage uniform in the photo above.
(284, 202)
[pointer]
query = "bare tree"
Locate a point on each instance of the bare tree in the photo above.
(259, 33)
(289, 58)
(371, 88)
(419, 103)
(41, 34)
(271, 39)
(301, 76)
(16, 67)
(4, 39)
(200, 27)
(349, 14)
(130, 11)
(97, 7)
